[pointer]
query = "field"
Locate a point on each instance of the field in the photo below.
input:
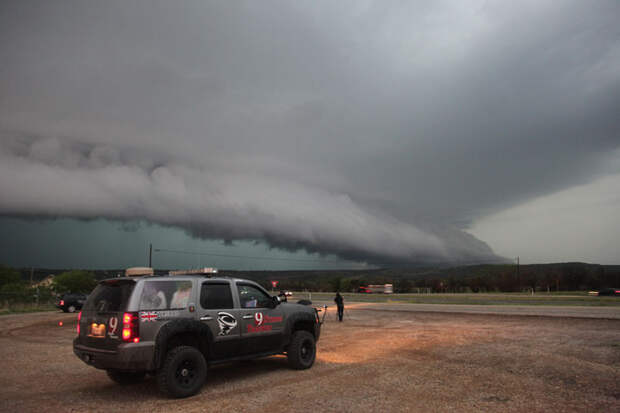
(577, 298)
(383, 357)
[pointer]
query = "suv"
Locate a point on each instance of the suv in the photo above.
(69, 303)
(175, 326)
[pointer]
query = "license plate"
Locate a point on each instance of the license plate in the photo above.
(96, 330)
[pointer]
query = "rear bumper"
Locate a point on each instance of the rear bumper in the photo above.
(129, 357)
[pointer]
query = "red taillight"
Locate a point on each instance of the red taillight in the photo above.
(131, 332)
(617, 291)
(78, 324)
(62, 302)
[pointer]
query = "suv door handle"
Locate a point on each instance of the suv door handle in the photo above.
(248, 316)
(206, 318)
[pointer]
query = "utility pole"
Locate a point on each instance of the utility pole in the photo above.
(518, 278)
(517, 266)
(150, 255)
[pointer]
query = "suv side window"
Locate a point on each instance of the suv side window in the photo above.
(165, 295)
(252, 297)
(216, 296)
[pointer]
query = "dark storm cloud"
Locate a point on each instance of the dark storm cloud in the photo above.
(372, 130)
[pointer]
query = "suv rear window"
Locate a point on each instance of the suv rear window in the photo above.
(110, 297)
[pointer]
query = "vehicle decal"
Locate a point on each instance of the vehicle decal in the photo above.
(167, 315)
(260, 318)
(258, 329)
(149, 316)
(269, 319)
(226, 322)
(112, 326)
(262, 323)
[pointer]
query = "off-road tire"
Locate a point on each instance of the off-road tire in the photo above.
(126, 377)
(183, 372)
(301, 352)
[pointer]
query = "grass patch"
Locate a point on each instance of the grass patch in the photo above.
(476, 299)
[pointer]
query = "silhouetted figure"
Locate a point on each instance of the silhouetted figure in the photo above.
(340, 304)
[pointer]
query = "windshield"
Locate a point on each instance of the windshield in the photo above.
(110, 296)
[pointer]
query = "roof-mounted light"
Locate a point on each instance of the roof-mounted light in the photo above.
(199, 271)
(138, 271)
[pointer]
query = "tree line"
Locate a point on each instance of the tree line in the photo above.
(473, 278)
(16, 285)
(16, 289)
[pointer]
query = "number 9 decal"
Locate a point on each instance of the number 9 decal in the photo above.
(112, 325)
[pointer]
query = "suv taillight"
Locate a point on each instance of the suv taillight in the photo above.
(62, 302)
(131, 328)
(78, 323)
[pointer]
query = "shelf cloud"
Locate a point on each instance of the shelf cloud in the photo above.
(375, 131)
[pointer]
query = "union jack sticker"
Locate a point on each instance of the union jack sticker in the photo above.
(149, 316)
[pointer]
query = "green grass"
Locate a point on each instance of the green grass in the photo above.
(572, 299)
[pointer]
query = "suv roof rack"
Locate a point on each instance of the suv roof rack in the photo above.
(208, 271)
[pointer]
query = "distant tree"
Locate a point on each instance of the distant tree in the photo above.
(335, 283)
(15, 292)
(76, 281)
(402, 285)
(9, 276)
(354, 284)
(345, 285)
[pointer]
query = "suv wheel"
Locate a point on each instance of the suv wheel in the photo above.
(126, 377)
(183, 373)
(71, 309)
(302, 350)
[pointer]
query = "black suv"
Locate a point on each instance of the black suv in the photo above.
(175, 326)
(70, 303)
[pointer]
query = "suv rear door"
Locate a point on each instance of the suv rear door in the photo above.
(102, 315)
(216, 309)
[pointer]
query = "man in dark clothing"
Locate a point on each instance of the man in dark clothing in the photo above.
(340, 304)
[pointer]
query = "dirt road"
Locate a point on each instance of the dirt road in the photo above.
(376, 360)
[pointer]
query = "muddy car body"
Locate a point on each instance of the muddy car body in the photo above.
(176, 326)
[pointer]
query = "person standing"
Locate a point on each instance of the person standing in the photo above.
(340, 304)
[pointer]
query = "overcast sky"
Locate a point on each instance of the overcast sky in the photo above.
(368, 132)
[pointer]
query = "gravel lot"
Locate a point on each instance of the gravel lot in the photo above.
(377, 360)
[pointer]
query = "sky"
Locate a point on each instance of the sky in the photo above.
(332, 134)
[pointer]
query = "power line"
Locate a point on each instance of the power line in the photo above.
(212, 254)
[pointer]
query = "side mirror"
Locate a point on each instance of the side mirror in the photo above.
(275, 300)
